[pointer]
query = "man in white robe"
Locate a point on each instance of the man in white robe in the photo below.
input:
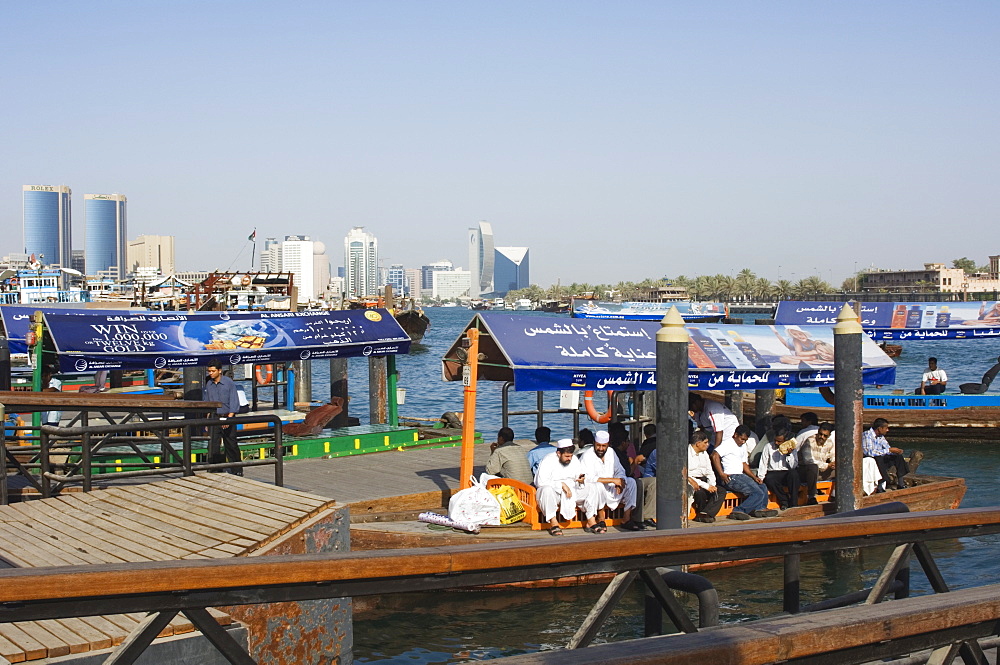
(614, 488)
(562, 487)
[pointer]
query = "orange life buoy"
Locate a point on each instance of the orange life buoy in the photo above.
(246, 280)
(14, 281)
(264, 374)
(588, 403)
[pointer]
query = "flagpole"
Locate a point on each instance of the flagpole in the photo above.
(253, 252)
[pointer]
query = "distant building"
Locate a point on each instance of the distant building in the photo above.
(934, 277)
(449, 284)
(270, 256)
(510, 269)
(481, 259)
(78, 261)
(360, 263)
(106, 237)
(397, 278)
(48, 223)
(427, 273)
(297, 257)
(150, 252)
(413, 283)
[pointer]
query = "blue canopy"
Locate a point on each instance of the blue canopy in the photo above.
(555, 353)
(143, 340)
(903, 320)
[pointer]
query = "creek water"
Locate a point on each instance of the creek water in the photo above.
(446, 627)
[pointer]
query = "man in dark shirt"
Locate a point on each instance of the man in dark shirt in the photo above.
(220, 388)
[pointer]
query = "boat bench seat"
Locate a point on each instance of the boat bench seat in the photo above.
(526, 494)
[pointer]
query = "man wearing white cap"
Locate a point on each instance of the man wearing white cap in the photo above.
(562, 487)
(614, 488)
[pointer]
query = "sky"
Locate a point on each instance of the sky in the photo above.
(617, 140)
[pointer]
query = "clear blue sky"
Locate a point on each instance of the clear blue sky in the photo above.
(618, 140)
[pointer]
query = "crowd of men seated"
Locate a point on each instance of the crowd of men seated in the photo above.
(602, 471)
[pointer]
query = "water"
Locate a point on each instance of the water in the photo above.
(457, 626)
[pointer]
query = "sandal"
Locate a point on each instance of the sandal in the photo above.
(633, 526)
(597, 528)
(555, 531)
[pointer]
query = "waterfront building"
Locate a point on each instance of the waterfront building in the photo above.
(149, 251)
(449, 284)
(510, 270)
(48, 218)
(413, 283)
(934, 277)
(481, 259)
(106, 236)
(396, 276)
(360, 263)
(427, 273)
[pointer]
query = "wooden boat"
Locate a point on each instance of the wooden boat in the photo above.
(413, 321)
(892, 350)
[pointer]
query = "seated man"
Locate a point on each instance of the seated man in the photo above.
(707, 498)
(810, 423)
(542, 448)
(984, 385)
(817, 457)
(734, 474)
(874, 445)
(713, 416)
(507, 459)
(613, 487)
(934, 380)
(779, 468)
(562, 487)
(647, 447)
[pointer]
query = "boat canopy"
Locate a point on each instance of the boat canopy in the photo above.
(556, 353)
(141, 340)
(903, 320)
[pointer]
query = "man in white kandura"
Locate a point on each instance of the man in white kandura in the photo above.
(562, 487)
(614, 488)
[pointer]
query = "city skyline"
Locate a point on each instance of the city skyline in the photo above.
(619, 142)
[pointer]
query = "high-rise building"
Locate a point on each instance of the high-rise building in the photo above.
(397, 277)
(270, 256)
(510, 269)
(78, 261)
(427, 273)
(106, 238)
(146, 252)
(413, 282)
(48, 219)
(297, 258)
(449, 284)
(360, 263)
(481, 259)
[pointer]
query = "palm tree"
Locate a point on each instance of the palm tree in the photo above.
(783, 289)
(745, 282)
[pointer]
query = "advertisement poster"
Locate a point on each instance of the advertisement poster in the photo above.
(87, 342)
(551, 353)
(903, 320)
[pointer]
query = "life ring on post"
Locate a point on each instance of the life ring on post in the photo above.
(588, 403)
(264, 374)
(246, 280)
(13, 281)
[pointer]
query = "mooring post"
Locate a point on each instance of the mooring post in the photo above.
(763, 410)
(734, 402)
(377, 408)
(672, 421)
(338, 388)
(848, 406)
(303, 384)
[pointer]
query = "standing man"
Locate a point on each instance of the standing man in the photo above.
(714, 417)
(220, 388)
(875, 445)
(507, 459)
(934, 381)
(735, 475)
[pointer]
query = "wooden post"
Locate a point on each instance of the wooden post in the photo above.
(303, 381)
(338, 388)
(377, 411)
(847, 337)
(672, 421)
(470, 375)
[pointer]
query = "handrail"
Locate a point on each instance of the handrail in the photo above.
(148, 586)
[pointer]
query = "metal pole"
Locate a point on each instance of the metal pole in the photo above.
(848, 406)
(470, 375)
(303, 383)
(338, 388)
(790, 595)
(672, 421)
(540, 405)
(3, 456)
(763, 410)
(392, 377)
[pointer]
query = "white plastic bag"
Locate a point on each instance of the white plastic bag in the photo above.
(475, 505)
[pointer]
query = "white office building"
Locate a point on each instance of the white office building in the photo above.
(361, 269)
(448, 284)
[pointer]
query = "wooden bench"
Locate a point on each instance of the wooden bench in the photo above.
(526, 495)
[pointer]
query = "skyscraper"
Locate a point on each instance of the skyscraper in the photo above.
(106, 239)
(297, 258)
(397, 277)
(510, 270)
(48, 218)
(427, 273)
(360, 263)
(151, 252)
(481, 259)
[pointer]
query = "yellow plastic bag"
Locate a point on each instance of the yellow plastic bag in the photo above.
(511, 508)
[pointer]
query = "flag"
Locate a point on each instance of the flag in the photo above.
(253, 236)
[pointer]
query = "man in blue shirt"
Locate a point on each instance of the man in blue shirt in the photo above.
(875, 445)
(220, 388)
(544, 446)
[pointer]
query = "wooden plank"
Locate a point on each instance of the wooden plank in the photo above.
(223, 504)
(10, 651)
(94, 638)
(29, 646)
(32, 555)
(255, 489)
(124, 623)
(248, 505)
(198, 534)
(181, 624)
(120, 543)
(203, 513)
(53, 645)
(135, 512)
(190, 498)
(113, 632)
(221, 617)
(76, 643)
(74, 542)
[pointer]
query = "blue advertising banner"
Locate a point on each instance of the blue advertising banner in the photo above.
(132, 340)
(903, 320)
(650, 311)
(550, 353)
(17, 319)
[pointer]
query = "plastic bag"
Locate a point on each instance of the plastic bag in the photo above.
(511, 508)
(475, 505)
